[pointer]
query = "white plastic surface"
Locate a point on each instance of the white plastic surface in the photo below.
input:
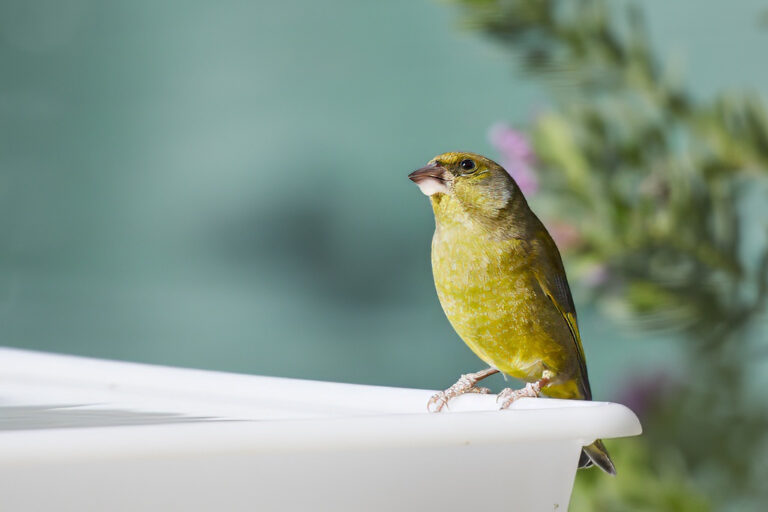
(83, 434)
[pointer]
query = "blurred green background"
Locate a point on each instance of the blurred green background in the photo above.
(223, 184)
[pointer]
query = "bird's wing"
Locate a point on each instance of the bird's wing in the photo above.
(551, 276)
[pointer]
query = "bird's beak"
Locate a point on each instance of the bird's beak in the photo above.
(430, 179)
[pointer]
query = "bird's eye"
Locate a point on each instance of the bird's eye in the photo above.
(467, 164)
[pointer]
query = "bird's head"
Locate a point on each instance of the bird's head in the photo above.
(479, 184)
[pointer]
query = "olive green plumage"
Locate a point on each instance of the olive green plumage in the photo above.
(501, 281)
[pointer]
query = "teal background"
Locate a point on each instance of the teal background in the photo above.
(223, 184)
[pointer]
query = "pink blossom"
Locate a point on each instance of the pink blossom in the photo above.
(597, 275)
(564, 234)
(517, 156)
(511, 142)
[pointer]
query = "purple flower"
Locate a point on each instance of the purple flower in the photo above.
(643, 392)
(517, 156)
(596, 275)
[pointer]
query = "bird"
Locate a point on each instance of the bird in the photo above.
(501, 282)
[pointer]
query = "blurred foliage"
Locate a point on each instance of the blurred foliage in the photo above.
(657, 182)
(653, 484)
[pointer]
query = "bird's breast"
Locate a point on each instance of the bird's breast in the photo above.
(478, 265)
(492, 299)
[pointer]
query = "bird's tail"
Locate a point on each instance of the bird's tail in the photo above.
(596, 454)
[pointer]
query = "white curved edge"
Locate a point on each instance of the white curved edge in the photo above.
(273, 414)
(585, 424)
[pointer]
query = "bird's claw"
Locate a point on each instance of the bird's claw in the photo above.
(465, 384)
(437, 402)
(440, 400)
(508, 396)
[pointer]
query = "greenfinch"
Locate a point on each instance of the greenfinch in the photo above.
(502, 285)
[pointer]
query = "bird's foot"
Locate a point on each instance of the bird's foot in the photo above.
(440, 400)
(508, 396)
(465, 384)
(532, 390)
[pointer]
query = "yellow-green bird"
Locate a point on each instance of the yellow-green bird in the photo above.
(502, 285)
